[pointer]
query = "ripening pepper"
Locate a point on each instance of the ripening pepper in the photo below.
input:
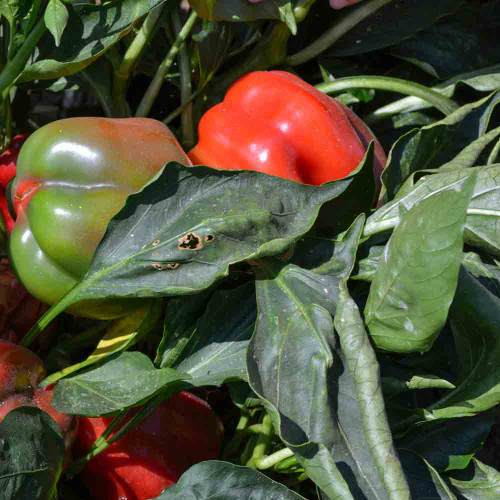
(274, 122)
(180, 432)
(21, 371)
(73, 176)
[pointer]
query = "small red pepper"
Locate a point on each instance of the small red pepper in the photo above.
(180, 432)
(276, 123)
(8, 161)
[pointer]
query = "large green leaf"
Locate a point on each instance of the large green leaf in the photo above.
(389, 25)
(213, 480)
(417, 276)
(363, 367)
(31, 455)
(463, 42)
(122, 381)
(89, 32)
(306, 387)
(215, 218)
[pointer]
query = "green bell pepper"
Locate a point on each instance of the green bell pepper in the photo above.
(73, 176)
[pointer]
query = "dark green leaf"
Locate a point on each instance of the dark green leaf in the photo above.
(14, 9)
(31, 455)
(122, 381)
(363, 367)
(478, 482)
(463, 42)
(239, 10)
(215, 218)
(217, 351)
(395, 21)
(425, 482)
(416, 279)
(56, 18)
(90, 31)
(448, 444)
(213, 480)
(441, 143)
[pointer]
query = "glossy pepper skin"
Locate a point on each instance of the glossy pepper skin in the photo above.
(178, 433)
(21, 370)
(73, 176)
(276, 123)
(8, 161)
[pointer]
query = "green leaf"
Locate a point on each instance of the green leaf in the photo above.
(90, 31)
(239, 10)
(215, 218)
(217, 352)
(213, 480)
(425, 481)
(389, 25)
(122, 381)
(56, 18)
(463, 42)
(362, 364)
(31, 455)
(449, 443)
(416, 279)
(14, 9)
(478, 482)
(457, 141)
(474, 316)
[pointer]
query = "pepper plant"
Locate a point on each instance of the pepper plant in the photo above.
(343, 324)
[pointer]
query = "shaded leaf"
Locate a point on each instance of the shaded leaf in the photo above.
(474, 316)
(217, 352)
(31, 455)
(450, 443)
(122, 381)
(463, 42)
(389, 25)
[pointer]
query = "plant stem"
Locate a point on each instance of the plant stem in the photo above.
(263, 441)
(442, 103)
(154, 88)
(187, 124)
(14, 68)
(269, 461)
(335, 32)
(122, 74)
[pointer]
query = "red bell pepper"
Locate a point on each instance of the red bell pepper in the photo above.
(276, 123)
(180, 432)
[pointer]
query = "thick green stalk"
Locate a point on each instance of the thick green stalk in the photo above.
(154, 88)
(442, 103)
(14, 67)
(339, 29)
(122, 74)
